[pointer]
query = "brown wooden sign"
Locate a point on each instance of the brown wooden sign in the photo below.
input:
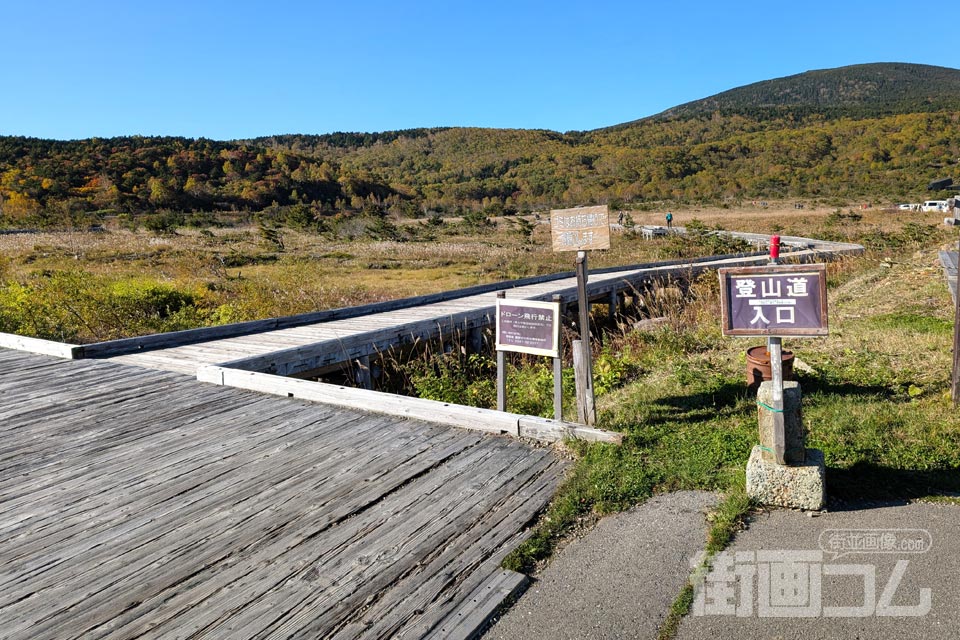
(528, 326)
(774, 300)
(580, 229)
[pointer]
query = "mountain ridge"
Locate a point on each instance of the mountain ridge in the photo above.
(877, 88)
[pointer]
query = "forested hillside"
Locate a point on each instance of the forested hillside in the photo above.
(863, 90)
(737, 145)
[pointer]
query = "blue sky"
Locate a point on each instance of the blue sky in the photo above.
(227, 70)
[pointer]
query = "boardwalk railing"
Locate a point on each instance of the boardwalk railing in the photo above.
(42, 347)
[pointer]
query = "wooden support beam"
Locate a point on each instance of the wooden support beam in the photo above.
(586, 413)
(488, 420)
(501, 371)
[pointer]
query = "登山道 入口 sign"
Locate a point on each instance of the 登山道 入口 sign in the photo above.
(774, 300)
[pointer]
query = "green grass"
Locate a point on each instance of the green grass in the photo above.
(913, 322)
(678, 609)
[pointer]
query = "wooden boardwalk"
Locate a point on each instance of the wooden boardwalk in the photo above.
(143, 504)
(339, 337)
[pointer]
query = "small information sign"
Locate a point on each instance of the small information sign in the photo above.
(774, 300)
(580, 229)
(528, 326)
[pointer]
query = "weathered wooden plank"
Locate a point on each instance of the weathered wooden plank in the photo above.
(469, 620)
(548, 430)
(436, 586)
(418, 408)
(450, 301)
(346, 337)
(38, 346)
(136, 569)
(299, 567)
(164, 508)
(378, 547)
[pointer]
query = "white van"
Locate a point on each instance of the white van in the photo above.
(934, 205)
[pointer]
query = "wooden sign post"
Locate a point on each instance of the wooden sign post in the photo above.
(955, 377)
(582, 229)
(953, 207)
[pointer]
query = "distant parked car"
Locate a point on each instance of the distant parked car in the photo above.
(907, 207)
(934, 205)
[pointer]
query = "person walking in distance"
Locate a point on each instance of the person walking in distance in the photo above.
(669, 220)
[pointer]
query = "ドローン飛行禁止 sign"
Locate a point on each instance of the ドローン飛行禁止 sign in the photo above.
(528, 326)
(775, 300)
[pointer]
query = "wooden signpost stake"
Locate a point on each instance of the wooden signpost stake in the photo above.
(775, 347)
(585, 376)
(582, 229)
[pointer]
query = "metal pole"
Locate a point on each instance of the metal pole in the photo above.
(501, 372)
(955, 379)
(558, 371)
(584, 304)
(775, 348)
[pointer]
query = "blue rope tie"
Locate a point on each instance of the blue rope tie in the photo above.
(768, 407)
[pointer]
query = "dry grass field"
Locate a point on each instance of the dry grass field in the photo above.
(232, 274)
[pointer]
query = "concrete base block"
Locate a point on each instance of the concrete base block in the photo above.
(798, 487)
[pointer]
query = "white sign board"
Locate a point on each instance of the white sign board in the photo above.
(580, 229)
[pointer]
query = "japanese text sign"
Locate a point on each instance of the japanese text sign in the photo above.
(774, 300)
(580, 229)
(529, 326)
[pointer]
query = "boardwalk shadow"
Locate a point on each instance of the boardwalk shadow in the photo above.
(812, 384)
(868, 485)
(697, 407)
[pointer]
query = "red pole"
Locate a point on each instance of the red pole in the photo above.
(774, 249)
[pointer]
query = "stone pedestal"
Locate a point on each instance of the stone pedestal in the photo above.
(800, 482)
(795, 438)
(797, 486)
